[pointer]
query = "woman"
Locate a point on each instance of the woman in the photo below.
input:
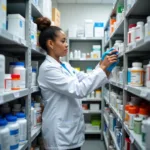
(62, 87)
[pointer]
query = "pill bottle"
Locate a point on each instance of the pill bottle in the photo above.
(75, 54)
(129, 76)
(15, 81)
(137, 125)
(4, 135)
(11, 67)
(14, 132)
(19, 69)
(22, 128)
(93, 95)
(131, 34)
(143, 113)
(133, 111)
(148, 75)
(71, 55)
(98, 94)
(140, 31)
(137, 74)
(2, 73)
(7, 82)
(33, 116)
(34, 74)
(38, 113)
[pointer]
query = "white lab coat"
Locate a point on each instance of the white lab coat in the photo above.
(63, 121)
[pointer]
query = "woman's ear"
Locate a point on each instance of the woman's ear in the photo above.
(50, 44)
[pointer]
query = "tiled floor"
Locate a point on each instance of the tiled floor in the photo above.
(93, 145)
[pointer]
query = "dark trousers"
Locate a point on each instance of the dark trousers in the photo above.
(75, 149)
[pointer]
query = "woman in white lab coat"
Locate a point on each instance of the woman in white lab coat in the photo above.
(62, 87)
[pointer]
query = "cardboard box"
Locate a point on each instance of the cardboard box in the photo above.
(88, 24)
(56, 16)
(99, 29)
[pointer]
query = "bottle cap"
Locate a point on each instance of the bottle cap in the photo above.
(11, 118)
(20, 115)
(138, 119)
(137, 64)
(33, 69)
(143, 111)
(19, 64)
(148, 18)
(140, 23)
(133, 110)
(3, 122)
(127, 107)
(132, 25)
(15, 76)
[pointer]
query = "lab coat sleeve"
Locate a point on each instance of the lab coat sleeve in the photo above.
(70, 86)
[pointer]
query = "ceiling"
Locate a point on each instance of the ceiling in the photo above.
(84, 1)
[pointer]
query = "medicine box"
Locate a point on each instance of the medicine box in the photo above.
(98, 29)
(56, 16)
(88, 27)
(16, 25)
(3, 14)
(94, 107)
(33, 33)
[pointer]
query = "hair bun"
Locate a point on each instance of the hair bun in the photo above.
(43, 23)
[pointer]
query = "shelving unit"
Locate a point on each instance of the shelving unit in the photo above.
(137, 51)
(14, 46)
(85, 45)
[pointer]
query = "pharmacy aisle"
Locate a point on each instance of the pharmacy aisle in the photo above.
(126, 110)
(20, 101)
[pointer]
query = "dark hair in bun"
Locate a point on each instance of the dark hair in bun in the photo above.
(48, 32)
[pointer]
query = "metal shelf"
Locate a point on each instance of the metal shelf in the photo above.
(91, 112)
(114, 139)
(35, 132)
(135, 138)
(91, 99)
(106, 120)
(105, 139)
(89, 59)
(38, 50)
(106, 99)
(119, 85)
(139, 8)
(85, 39)
(9, 96)
(7, 39)
(34, 89)
(92, 131)
(24, 146)
(36, 12)
(107, 43)
(142, 92)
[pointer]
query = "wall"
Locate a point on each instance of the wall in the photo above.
(76, 13)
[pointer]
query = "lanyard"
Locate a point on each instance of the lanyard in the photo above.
(64, 66)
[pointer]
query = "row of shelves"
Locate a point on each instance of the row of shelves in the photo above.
(9, 96)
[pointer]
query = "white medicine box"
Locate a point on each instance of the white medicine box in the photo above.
(3, 14)
(94, 107)
(88, 25)
(16, 25)
(99, 29)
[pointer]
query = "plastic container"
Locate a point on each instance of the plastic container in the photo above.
(117, 44)
(129, 76)
(14, 132)
(131, 34)
(137, 73)
(143, 113)
(89, 70)
(112, 122)
(140, 31)
(132, 114)
(147, 27)
(93, 94)
(7, 82)
(15, 81)
(22, 127)
(118, 103)
(75, 54)
(38, 113)
(148, 75)
(71, 55)
(137, 125)
(79, 54)
(2, 73)
(34, 74)
(16, 25)
(4, 135)
(19, 69)
(33, 117)
(144, 122)
(98, 94)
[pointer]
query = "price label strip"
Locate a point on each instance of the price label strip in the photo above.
(16, 39)
(1, 99)
(143, 94)
(16, 94)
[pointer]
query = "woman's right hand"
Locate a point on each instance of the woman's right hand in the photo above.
(108, 60)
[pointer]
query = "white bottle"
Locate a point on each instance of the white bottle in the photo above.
(19, 69)
(32, 117)
(33, 77)
(14, 132)
(137, 74)
(79, 54)
(148, 21)
(148, 75)
(93, 94)
(71, 55)
(38, 113)
(7, 82)
(76, 54)
(22, 128)
(111, 118)
(140, 31)
(4, 135)
(146, 29)
(2, 73)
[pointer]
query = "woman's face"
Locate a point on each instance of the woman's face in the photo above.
(60, 46)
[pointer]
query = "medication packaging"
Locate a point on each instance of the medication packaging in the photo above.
(20, 70)
(16, 25)
(22, 127)
(14, 132)
(131, 34)
(88, 24)
(2, 73)
(140, 31)
(99, 29)
(137, 74)
(7, 82)
(15, 81)
(4, 135)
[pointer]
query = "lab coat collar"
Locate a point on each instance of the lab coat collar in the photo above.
(51, 59)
